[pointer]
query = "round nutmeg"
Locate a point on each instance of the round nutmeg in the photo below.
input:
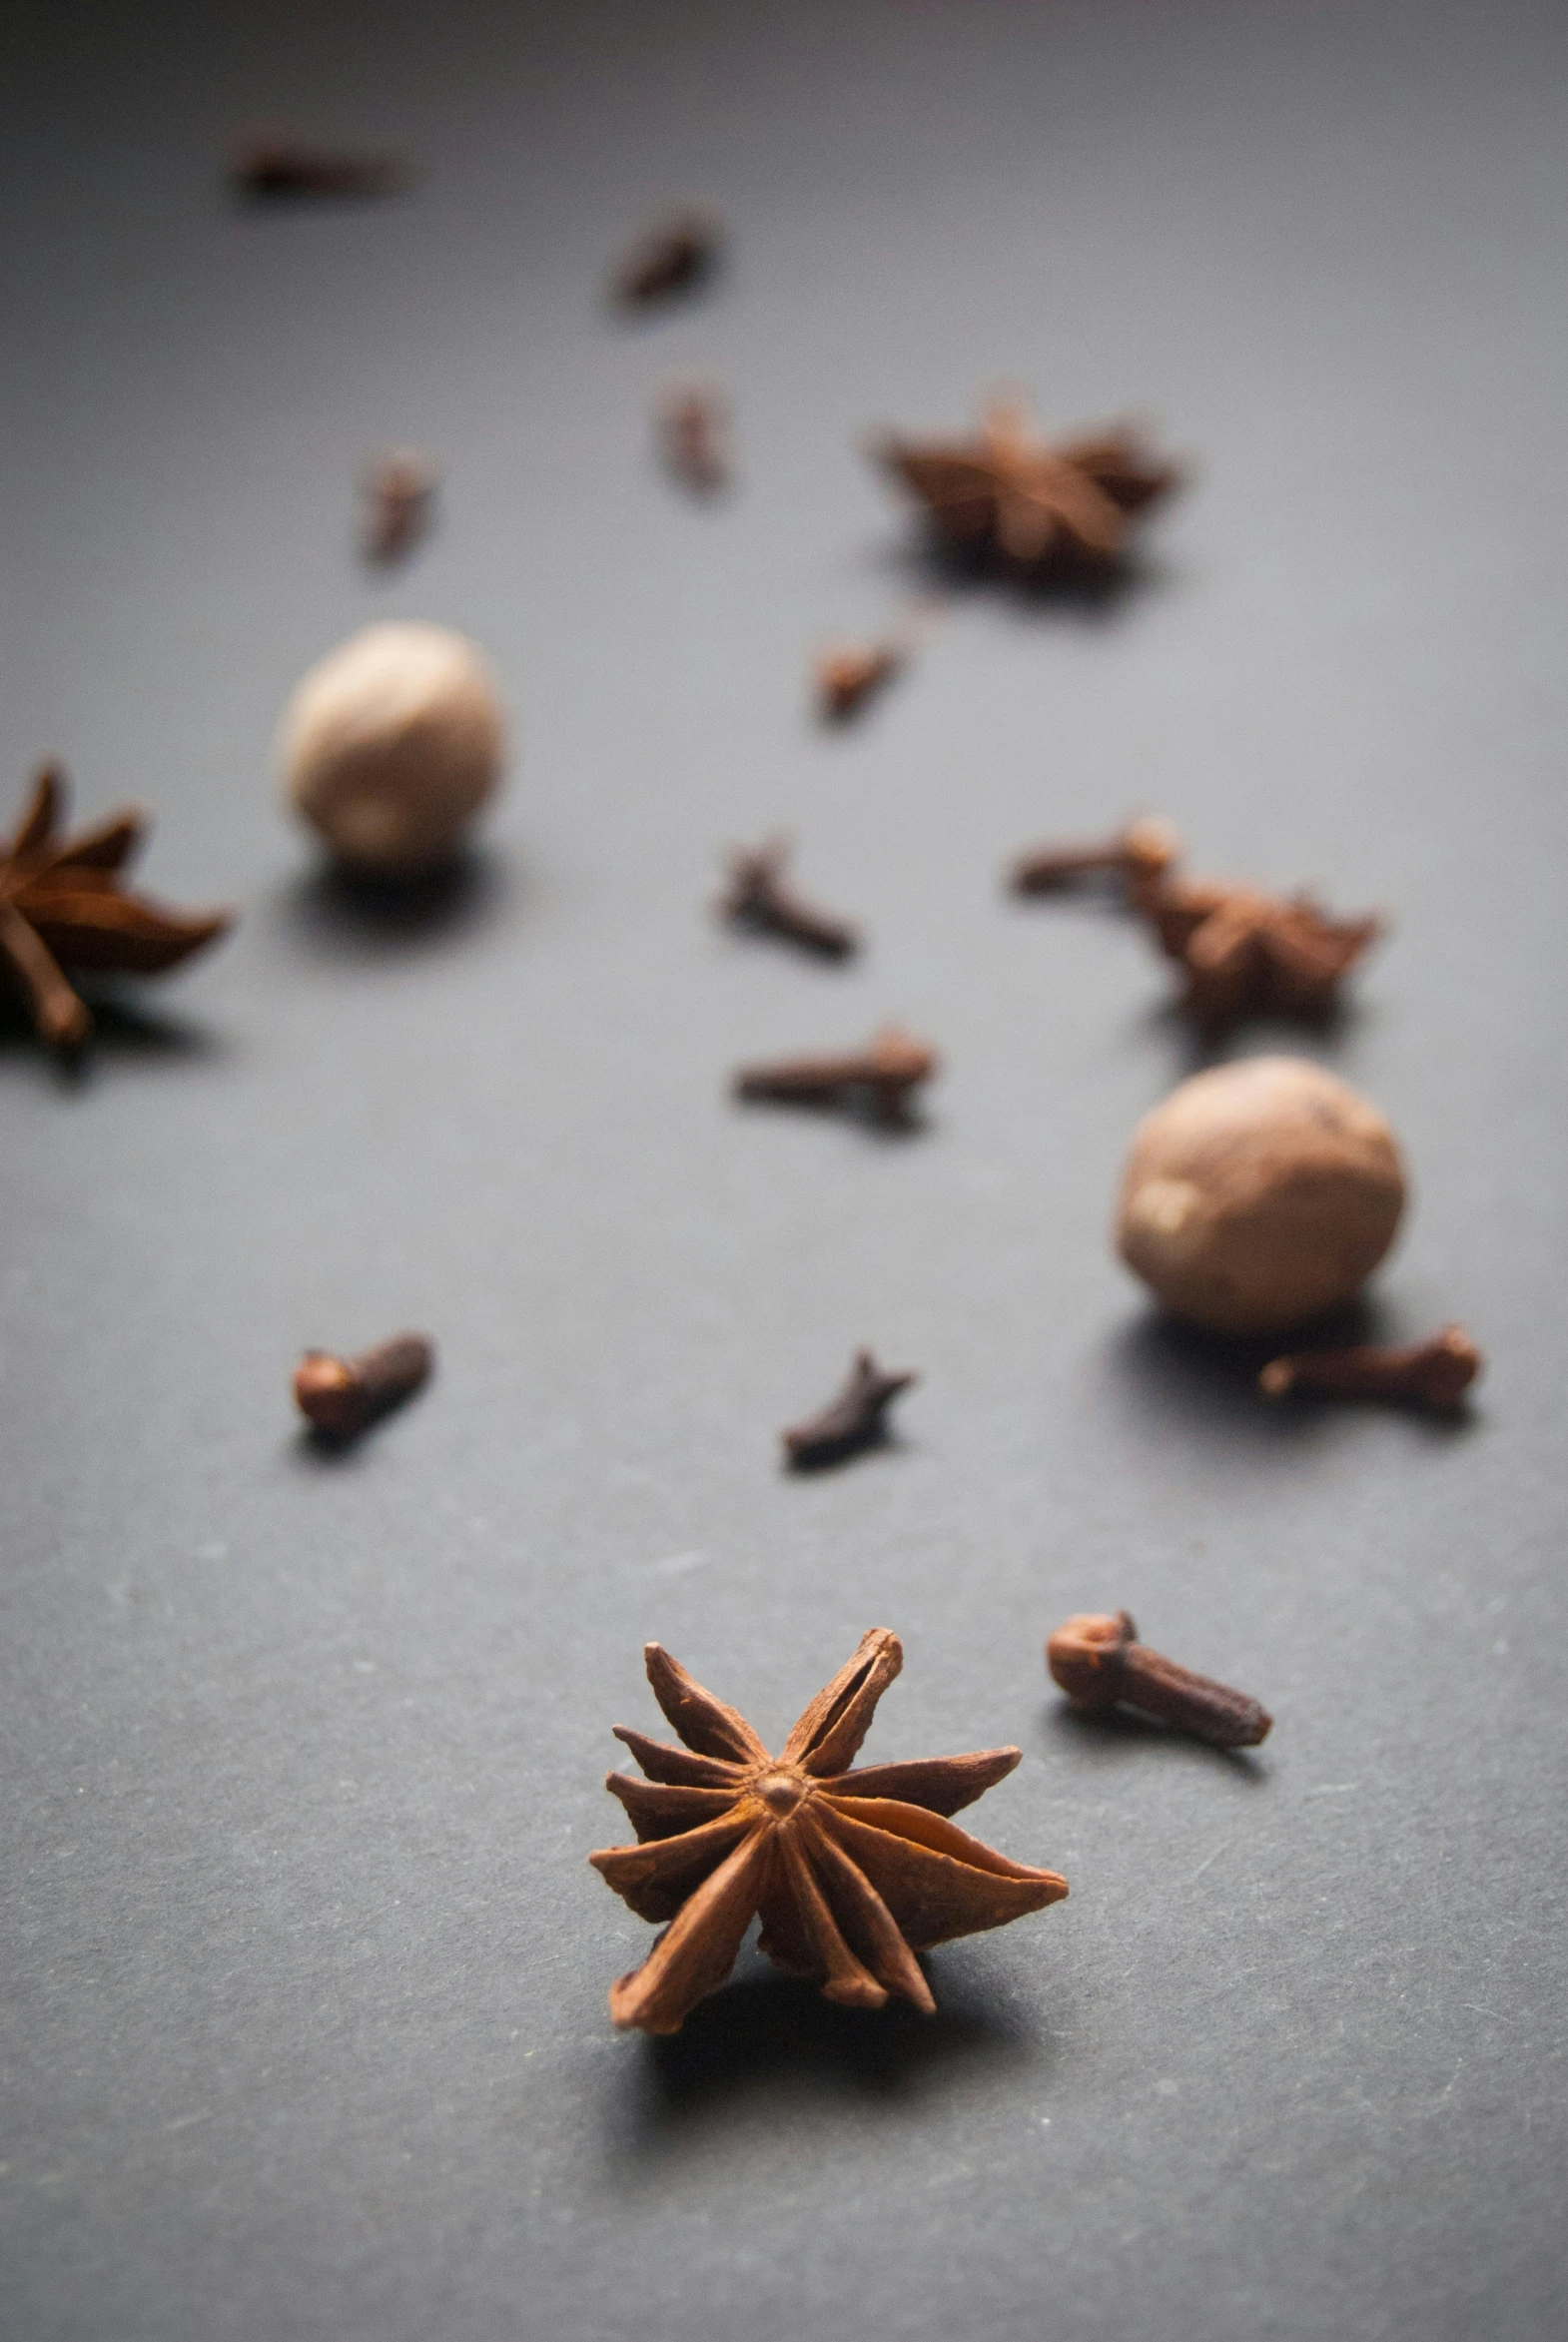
(391, 746)
(1259, 1194)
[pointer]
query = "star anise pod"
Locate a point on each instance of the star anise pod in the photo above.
(62, 907)
(1022, 501)
(1244, 951)
(853, 1873)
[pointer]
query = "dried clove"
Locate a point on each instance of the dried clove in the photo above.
(275, 167)
(1246, 952)
(848, 678)
(341, 1397)
(853, 1420)
(1143, 851)
(1434, 1373)
(399, 491)
(886, 1075)
(694, 434)
(1099, 1664)
(675, 257)
(760, 898)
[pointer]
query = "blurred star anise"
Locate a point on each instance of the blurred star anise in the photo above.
(1244, 951)
(1024, 500)
(853, 1873)
(62, 907)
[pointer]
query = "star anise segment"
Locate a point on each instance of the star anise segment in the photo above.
(62, 907)
(1025, 500)
(852, 1870)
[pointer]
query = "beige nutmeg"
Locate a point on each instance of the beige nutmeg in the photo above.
(391, 746)
(1259, 1194)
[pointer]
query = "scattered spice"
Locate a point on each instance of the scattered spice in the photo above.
(63, 906)
(275, 167)
(884, 1075)
(760, 897)
(849, 677)
(392, 744)
(675, 257)
(854, 1418)
(1143, 851)
(1434, 1373)
(400, 491)
(1245, 952)
(852, 1872)
(341, 1397)
(1018, 499)
(1100, 1663)
(694, 434)
(1260, 1194)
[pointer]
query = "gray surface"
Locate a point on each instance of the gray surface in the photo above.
(304, 1970)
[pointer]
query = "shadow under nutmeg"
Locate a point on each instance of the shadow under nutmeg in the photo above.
(331, 908)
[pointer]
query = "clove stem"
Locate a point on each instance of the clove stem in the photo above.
(1434, 1373)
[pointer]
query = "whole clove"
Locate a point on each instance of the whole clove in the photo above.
(694, 434)
(675, 257)
(1433, 1373)
(885, 1075)
(400, 493)
(341, 1397)
(760, 898)
(848, 678)
(275, 167)
(854, 1418)
(1100, 1663)
(1144, 851)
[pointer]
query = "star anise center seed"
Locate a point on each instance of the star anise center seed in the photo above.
(781, 1792)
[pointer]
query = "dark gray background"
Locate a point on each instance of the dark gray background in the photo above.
(305, 1971)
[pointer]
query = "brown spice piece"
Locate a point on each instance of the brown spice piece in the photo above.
(275, 167)
(62, 907)
(852, 1872)
(1100, 1663)
(849, 677)
(401, 491)
(853, 1420)
(1245, 952)
(761, 898)
(1260, 1194)
(1143, 851)
(672, 258)
(341, 1397)
(886, 1075)
(1021, 500)
(1433, 1373)
(694, 434)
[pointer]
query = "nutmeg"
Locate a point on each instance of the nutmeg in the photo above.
(391, 746)
(1259, 1194)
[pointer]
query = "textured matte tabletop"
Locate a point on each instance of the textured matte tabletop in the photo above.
(304, 1966)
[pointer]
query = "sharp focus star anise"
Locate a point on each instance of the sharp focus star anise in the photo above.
(1244, 951)
(62, 907)
(1025, 500)
(853, 1873)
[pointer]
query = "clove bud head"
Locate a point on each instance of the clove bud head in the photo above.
(341, 1397)
(1085, 1655)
